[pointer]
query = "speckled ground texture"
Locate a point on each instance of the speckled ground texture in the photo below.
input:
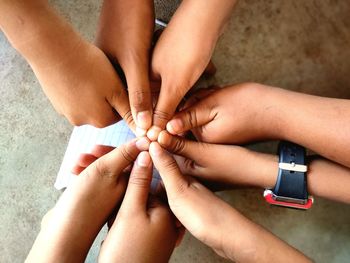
(299, 45)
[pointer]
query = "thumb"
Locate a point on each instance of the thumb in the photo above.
(174, 182)
(197, 115)
(168, 100)
(120, 102)
(186, 148)
(139, 91)
(136, 196)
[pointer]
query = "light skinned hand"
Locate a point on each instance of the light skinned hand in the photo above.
(83, 208)
(85, 159)
(213, 221)
(144, 229)
(76, 76)
(125, 33)
(221, 165)
(234, 114)
(182, 53)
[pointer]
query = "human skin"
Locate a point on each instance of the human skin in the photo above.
(250, 112)
(214, 222)
(125, 33)
(84, 208)
(232, 165)
(182, 53)
(144, 229)
(76, 76)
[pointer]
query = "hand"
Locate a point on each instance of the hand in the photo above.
(235, 114)
(182, 53)
(83, 208)
(85, 159)
(200, 211)
(144, 229)
(214, 222)
(124, 33)
(223, 166)
(76, 76)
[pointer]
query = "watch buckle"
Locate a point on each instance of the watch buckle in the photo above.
(273, 199)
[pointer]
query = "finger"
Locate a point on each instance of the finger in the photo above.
(197, 115)
(143, 143)
(197, 96)
(180, 146)
(136, 195)
(113, 163)
(210, 70)
(174, 182)
(85, 159)
(120, 102)
(100, 150)
(77, 169)
(140, 97)
(165, 108)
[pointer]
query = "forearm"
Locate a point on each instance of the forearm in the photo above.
(202, 21)
(318, 123)
(122, 25)
(37, 32)
(324, 178)
(207, 17)
(245, 241)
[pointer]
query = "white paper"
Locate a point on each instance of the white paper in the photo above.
(84, 138)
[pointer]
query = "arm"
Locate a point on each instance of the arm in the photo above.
(235, 165)
(124, 33)
(183, 51)
(248, 112)
(83, 208)
(214, 222)
(73, 73)
(144, 229)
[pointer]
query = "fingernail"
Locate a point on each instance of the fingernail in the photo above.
(155, 149)
(144, 119)
(143, 160)
(140, 132)
(153, 133)
(143, 144)
(163, 138)
(174, 126)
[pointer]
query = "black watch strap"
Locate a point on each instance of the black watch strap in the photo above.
(291, 181)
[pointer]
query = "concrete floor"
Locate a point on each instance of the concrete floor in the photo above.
(299, 45)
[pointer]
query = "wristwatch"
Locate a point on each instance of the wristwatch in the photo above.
(291, 186)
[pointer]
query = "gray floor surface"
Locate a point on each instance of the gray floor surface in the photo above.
(298, 45)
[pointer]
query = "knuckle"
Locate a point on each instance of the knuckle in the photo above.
(189, 165)
(99, 123)
(128, 117)
(178, 146)
(99, 168)
(127, 155)
(140, 98)
(161, 115)
(75, 121)
(192, 118)
(139, 179)
(179, 193)
(117, 94)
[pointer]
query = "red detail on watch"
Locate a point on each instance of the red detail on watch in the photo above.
(268, 195)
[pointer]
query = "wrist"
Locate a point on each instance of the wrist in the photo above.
(251, 168)
(270, 112)
(38, 33)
